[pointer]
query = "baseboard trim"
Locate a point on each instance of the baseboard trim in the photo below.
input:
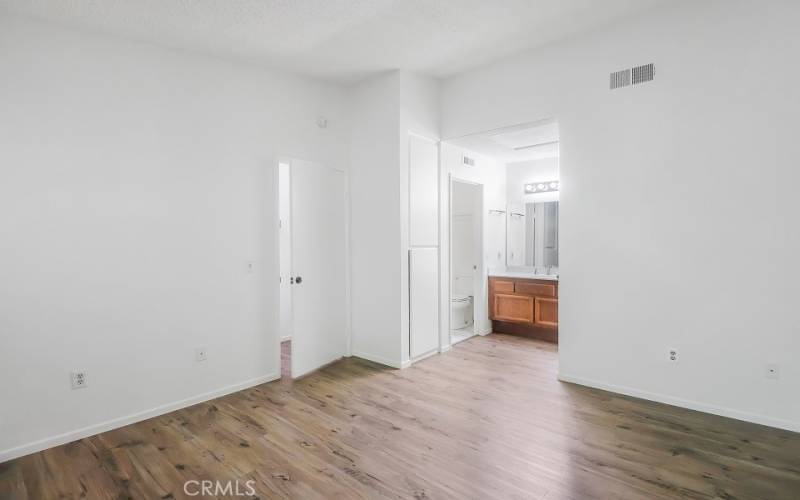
(445, 348)
(423, 356)
(116, 423)
(378, 359)
(684, 403)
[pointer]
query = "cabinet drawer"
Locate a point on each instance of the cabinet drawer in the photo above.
(503, 286)
(546, 312)
(540, 289)
(513, 308)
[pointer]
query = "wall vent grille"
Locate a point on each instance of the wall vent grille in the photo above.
(633, 76)
(620, 79)
(470, 162)
(643, 74)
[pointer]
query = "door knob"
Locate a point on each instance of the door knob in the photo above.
(298, 280)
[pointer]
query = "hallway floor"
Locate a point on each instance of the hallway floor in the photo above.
(461, 334)
(486, 420)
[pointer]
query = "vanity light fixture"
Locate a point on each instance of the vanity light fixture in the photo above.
(541, 187)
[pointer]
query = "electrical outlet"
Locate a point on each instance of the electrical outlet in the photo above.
(200, 354)
(772, 370)
(672, 356)
(79, 380)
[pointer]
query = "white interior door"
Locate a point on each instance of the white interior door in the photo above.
(284, 211)
(480, 315)
(319, 316)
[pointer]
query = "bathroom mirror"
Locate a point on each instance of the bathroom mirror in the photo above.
(532, 235)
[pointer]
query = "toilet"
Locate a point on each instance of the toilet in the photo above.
(461, 308)
(461, 301)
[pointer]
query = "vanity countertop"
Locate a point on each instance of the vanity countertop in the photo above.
(521, 272)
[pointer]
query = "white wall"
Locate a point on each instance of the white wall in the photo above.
(375, 198)
(653, 254)
(135, 184)
(419, 108)
(385, 109)
(520, 173)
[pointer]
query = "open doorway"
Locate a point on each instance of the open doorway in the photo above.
(517, 168)
(466, 249)
(312, 258)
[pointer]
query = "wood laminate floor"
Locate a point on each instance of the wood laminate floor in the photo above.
(487, 420)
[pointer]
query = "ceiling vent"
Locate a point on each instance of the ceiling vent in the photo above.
(466, 160)
(632, 76)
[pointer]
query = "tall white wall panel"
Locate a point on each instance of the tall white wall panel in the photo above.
(423, 159)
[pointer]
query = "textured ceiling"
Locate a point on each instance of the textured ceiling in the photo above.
(341, 40)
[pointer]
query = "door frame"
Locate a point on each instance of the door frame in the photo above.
(275, 279)
(479, 297)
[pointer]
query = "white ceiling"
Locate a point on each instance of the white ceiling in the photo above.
(520, 143)
(341, 40)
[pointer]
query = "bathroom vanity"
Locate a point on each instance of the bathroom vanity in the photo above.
(524, 304)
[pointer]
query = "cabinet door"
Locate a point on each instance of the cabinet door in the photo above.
(423, 196)
(546, 312)
(424, 300)
(512, 308)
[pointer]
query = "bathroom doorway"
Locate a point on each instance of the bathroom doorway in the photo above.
(518, 167)
(466, 250)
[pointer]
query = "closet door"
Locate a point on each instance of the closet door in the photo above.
(423, 267)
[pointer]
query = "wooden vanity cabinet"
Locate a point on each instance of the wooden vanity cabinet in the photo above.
(526, 307)
(513, 308)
